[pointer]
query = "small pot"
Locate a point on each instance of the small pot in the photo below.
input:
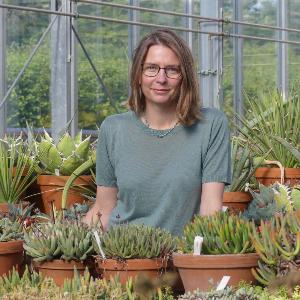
(237, 200)
(154, 267)
(11, 256)
(206, 271)
(59, 269)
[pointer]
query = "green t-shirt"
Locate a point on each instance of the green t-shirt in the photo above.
(159, 179)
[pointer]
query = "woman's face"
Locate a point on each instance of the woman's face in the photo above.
(158, 90)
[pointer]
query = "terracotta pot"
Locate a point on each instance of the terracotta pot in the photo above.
(51, 189)
(268, 176)
(11, 255)
(206, 271)
(131, 267)
(59, 269)
(4, 206)
(237, 200)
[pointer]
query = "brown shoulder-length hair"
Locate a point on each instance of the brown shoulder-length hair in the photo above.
(187, 96)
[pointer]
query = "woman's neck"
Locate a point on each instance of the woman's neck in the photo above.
(160, 119)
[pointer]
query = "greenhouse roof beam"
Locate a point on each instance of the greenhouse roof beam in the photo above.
(2, 69)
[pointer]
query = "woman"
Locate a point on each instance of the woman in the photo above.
(166, 159)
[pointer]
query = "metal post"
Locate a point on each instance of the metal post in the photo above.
(189, 9)
(282, 50)
(211, 54)
(3, 122)
(63, 85)
(238, 101)
(133, 30)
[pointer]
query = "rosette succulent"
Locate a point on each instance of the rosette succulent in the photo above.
(64, 157)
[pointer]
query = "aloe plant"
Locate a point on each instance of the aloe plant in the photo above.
(62, 239)
(10, 230)
(17, 171)
(271, 116)
(64, 157)
(136, 241)
(222, 233)
(242, 166)
(278, 244)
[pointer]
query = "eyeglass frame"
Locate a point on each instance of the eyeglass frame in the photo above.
(159, 68)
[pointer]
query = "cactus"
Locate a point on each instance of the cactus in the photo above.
(277, 198)
(278, 244)
(65, 156)
(222, 233)
(136, 241)
(63, 239)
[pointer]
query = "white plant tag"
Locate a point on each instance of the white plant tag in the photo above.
(198, 244)
(223, 283)
(224, 208)
(56, 171)
(99, 244)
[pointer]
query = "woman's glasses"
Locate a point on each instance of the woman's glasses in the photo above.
(151, 70)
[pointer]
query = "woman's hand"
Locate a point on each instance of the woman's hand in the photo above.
(106, 200)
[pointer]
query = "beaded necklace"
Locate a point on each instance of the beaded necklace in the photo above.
(156, 133)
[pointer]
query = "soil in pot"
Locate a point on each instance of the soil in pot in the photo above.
(11, 255)
(131, 267)
(59, 269)
(206, 271)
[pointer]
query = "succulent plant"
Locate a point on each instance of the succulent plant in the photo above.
(222, 233)
(17, 169)
(277, 198)
(65, 156)
(10, 230)
(277, 242)
(241, 293)
(242, 166)
(136, 241)
(62, 239)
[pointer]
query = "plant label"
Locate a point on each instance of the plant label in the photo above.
(223, 283)
(198, 244)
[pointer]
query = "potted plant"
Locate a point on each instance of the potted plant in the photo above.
(59, 246)
(57, 161)
(130, 249)
(242, 168)
(16, 171)
(226, 250)
(278, 246)
(270, 200)
(268, 117)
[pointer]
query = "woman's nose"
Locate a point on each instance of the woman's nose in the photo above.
(161, 76)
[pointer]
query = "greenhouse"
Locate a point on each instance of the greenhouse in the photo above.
(149, 149)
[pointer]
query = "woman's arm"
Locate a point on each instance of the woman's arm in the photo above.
(211, 198)
(106, 200)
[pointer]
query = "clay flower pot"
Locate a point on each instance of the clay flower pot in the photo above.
(59, 269)
(268, 176)
(237, 200)
(206, 271)
(154, 267)
(51, 189)
(11, 255)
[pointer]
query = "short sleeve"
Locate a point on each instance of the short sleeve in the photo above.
(217, 160)
(105, 175)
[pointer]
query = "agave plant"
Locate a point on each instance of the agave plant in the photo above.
(65, 156)
(136, 241)
(269, 200)
(17, 170)
(222, 233)
(278, 244)
(271, 116)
